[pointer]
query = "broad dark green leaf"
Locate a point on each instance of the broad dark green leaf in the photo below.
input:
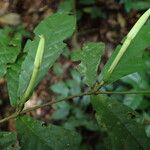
(7, 140)
(34, 135)
(55, 30)
(118, 119)
(90, 58)
(132, 60)
(12, 77)
(10, 46)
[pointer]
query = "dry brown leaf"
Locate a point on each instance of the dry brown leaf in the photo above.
(10, 19)
(121, 20)
(3, 7)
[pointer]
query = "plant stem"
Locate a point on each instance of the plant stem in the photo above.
(124, 92)
(14, 115)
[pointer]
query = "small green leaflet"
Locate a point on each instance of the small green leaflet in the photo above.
(34, 135)
(8, 140)
(55, 30)
(90, 59)
(118, 119)
(132, 60)
(10, 46)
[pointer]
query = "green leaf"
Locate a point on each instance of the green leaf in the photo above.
(61, 110)
(74, 87)
(10, 48)
(137, 80)
(55, 30)
(60, 88)
(124, 131)
(3, 70)
(7, 140)
(66, 6)
(58, 69)
(76, 76)
(133, 100)
(136, 5)
(132, 60)
(90, 59)
(12, 77)
(34, 135)
(141, 5)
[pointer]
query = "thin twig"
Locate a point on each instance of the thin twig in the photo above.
(124, 92)
(14, 115)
